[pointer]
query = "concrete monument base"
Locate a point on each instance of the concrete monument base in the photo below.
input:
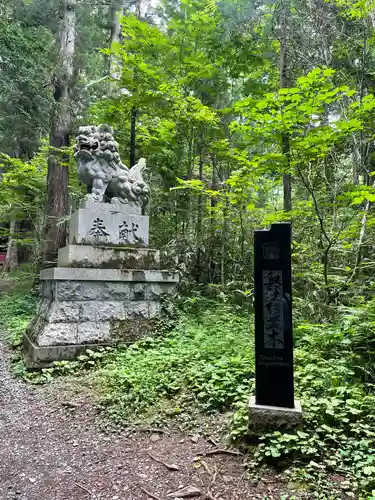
(83, 306)
(273, 417)
(108, 257)
(103, 292)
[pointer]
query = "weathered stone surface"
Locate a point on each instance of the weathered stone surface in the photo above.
(111, 207)
(108, 228)
(154, 291)
(96, 310)
(37, 356)
(138, 291)
(154, 309)
(86, 256)
(64, 323)
(78, 274)
(103, 291)
(63, 312)
(273, 417)
(101, 310)
(85, 290)
(131, 329)
(58, 334)
(48, 289)
(93, 332)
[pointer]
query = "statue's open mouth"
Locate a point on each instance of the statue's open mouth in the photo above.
(89, 146)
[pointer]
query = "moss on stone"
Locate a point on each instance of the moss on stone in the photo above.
(131, 330)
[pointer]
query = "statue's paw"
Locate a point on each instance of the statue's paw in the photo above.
(92, 197)
(118, 201)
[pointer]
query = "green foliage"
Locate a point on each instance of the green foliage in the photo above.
(23, 181)
(206, 361)
(203, 85)
(335, 387)
(25, 99)
(17, 309)
(90, 360)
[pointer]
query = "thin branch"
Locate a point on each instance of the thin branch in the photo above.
(222, 451)
(167, 465)
(316, 206)
(362, 234)
(148, 493)
(84, 489)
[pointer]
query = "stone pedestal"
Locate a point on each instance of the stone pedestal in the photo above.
(88, 227)
(107, 288)
(263, 417)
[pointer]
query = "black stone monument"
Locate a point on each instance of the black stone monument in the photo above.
(273, 317)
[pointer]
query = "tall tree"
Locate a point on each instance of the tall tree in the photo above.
(57, 205)
(284, 83)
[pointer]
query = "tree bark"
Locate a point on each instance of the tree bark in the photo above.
(57, 205)
(198, 266)
(133, 123)
(114, 66)
(285, 142)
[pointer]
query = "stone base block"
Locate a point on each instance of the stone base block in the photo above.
(89, 227)
(273, 417)
(95, 321)
(123, 208)
(36, 356)
(96, 310)
(85, 285)
(87, 256)
(122, 275)
(58, 330)
(82, 306)
(72, 291)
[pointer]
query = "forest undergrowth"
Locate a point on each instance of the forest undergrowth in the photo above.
(201, 364)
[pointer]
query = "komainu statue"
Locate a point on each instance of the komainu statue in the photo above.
(101, 169)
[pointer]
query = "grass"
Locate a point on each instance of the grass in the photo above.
(17, 307)
(205, 361)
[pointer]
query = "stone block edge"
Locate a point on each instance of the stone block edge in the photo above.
(100, 274)
(37, 356)
(273, 417)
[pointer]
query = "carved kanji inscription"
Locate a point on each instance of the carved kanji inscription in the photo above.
(273, 309)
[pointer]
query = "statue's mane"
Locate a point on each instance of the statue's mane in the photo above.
(106, 145)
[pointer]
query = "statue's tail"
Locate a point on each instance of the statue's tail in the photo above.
(137, 170)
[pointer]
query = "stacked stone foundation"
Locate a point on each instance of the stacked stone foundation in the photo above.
(102, 292)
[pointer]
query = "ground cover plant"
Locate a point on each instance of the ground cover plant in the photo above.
(202, 364)
(17, 304)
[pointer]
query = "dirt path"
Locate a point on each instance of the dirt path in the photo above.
(50, 450)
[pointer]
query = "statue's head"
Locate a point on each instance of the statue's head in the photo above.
(94, 142)
(101, 169)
